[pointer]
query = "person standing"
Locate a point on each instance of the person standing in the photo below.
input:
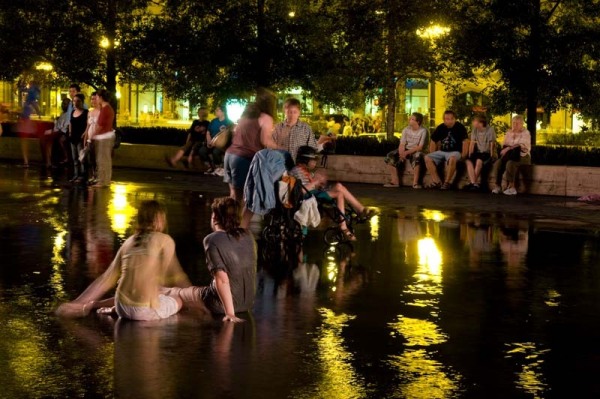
(481, 150)
(292, 133)
(89, 157)
(448, 145)
(516, 151)
(253, 132)
(410, 149)
(104, 139)
(77, 128)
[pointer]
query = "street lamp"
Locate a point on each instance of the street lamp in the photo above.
(431, 33)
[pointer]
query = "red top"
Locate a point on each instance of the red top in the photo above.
(246, 139)
(105, 120)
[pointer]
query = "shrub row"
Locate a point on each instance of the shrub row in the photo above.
(587, 139)
(567, 154)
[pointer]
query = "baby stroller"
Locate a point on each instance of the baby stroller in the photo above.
(281, 229)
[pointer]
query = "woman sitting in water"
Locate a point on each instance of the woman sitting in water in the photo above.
(231, 259)
(142, 267)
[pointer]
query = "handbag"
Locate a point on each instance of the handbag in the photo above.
(512, 155)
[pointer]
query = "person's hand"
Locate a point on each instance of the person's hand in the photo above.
(504, 151)
(232, 319)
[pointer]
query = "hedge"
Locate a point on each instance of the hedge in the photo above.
(541, 154)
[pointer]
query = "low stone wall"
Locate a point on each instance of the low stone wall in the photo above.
(570, 181)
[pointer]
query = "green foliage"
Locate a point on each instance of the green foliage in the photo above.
(572, 156)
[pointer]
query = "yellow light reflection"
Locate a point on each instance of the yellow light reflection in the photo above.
(530, 377)
(120, 211)
(418, 332)
(424, 377)
(338, 377)
(430, 214)
(552, 298)
(430, 257)
(104, 42)
(374, 224)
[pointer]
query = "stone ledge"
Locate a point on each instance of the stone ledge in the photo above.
(571, 181)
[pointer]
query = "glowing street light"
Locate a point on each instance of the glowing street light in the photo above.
(433, 32)
(44, 66)
(104, 42)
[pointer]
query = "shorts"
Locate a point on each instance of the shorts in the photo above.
(236, 170)
(168, 306)
(438, 156)
(484, 156)
(393, 159)
(191, 147)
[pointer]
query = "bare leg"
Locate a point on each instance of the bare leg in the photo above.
(471, 171)
(432, 169)
(342, 194)
(393, 174)
(416, 174)
(478, 167)
(450, 170)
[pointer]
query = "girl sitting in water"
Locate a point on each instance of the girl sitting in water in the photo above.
(142, 267)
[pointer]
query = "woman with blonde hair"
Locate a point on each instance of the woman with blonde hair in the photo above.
(516, 151)
(145, 263)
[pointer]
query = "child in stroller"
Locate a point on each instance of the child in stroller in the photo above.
(334, 198)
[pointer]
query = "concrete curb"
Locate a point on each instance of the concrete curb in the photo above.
(564, 181)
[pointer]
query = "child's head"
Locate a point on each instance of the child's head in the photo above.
(307, 156)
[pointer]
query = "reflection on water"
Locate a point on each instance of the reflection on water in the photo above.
(119, 209)
(426, 304)
(421, 375)
(530, 378)
(338, 380)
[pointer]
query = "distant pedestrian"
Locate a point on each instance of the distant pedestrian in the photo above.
(104, 139)
(77, 128)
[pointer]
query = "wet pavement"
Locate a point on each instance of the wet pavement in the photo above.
(445, 295)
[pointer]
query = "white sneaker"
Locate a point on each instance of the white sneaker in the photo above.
(219, 172)
(510, 191)
(496, 190)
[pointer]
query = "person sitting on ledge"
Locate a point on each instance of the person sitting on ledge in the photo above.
(516, 151)
(448, 145)
(482, 150)
(411, 144)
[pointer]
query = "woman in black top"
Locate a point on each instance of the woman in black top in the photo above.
(76, 130)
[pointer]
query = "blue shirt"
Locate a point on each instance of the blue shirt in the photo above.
(216, 126)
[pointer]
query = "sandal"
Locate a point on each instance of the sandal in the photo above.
(434, 185)
(109, 310)
(367, 213)
(445, 186)
(348, 235)
(417, 186)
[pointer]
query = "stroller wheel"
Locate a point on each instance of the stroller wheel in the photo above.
(333, 236)
(272, 234)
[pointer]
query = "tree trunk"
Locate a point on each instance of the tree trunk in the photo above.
(390, 116)
(535, 41)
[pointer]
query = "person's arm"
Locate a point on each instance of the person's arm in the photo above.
(466, 145)
(471, 146)
(265, 122)
(312, 140)
(224, 291)
(433, 146)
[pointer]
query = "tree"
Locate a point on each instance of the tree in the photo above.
(545, 51)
